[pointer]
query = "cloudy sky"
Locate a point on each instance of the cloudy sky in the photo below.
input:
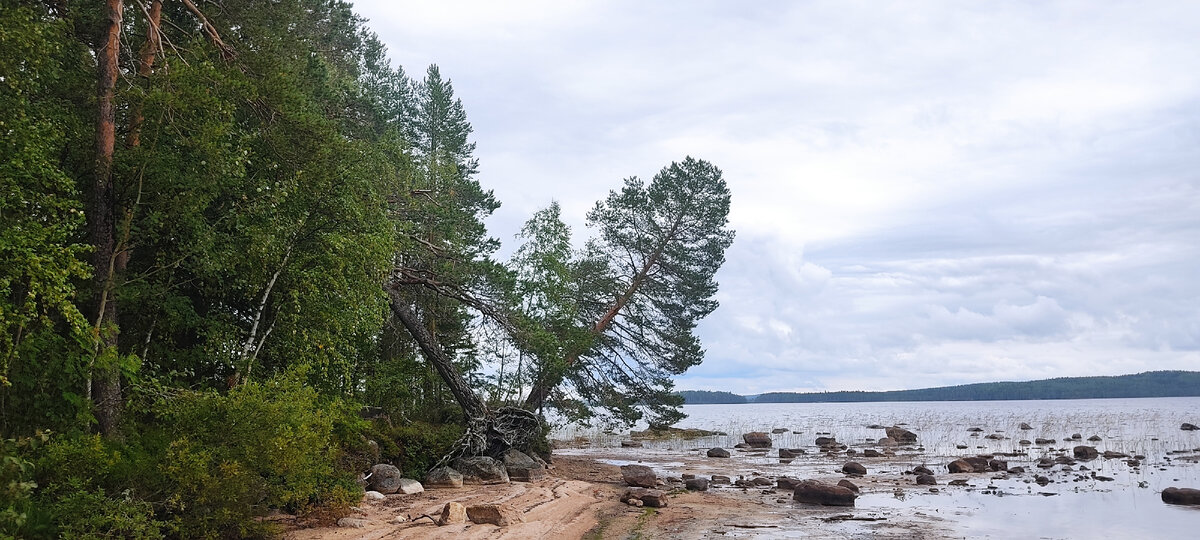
(925, 193)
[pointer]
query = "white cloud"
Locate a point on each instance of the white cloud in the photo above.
(925, 193)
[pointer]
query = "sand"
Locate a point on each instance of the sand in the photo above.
(580, 500)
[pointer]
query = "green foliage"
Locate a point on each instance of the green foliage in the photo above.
(208, 464)
(415, 448)
(18, 513)
(93, 514)
(698, 397)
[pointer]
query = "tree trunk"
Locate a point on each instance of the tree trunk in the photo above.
(106, 379)
(472, 406)
(146, 67)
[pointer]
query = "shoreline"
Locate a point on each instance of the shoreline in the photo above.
(580, 499)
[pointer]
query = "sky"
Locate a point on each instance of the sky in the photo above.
(924, 193)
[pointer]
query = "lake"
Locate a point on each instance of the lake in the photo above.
(1080, 501)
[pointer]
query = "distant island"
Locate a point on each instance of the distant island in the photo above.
(1148, 384)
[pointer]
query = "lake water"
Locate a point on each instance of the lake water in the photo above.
(1076, 504)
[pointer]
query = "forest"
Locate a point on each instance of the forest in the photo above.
(1148, 384)
(243, 258)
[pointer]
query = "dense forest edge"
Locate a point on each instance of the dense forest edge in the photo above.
(1140, 385)
(243, 262)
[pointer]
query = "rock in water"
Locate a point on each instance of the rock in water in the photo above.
(481, 470)
(444, 477)
(496, 514)
(826, 441)
(784, 482)
(854, 468)
(901, 435)
(960, 466)
(978, 464)
(1175, 495)
(757, 439)
(384, 479)
(921, 469)
(1026, 426)
(639, 475)
(848, 485)
(814, 492)
(408, 486)
(718, 453)
(926, 480)
(1189, 427)
(453, 513)
(1085, 452)
(720, 479)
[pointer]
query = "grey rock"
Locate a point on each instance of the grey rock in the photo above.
(814, 492)
(639, 475)
(718, 453)
(384, 478)
(481, 470)
(444, 477)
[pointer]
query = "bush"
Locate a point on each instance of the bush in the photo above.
(208, 463)
(415, 448)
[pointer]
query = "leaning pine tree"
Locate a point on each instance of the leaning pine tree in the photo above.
(644, 283)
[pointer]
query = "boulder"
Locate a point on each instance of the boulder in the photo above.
(757, 439)
(848, 485)
(444, 477)
(481, 470)
(784, 453)
(926, 480)
(1076, 436)
(720, 479)
(1025, 442)
(978, 464)
(901, 435)
(887, 441)
(639, 476)
(871, 453)
(374, 496)
(696, 484)
(779, 430)
(1026, 426)
(1095, 438)
(826, 441)
(997, 465)
(854, 468)
(527, 475)
(653, 498)
(452, 513)
(353, 523)
(975, 430)
(408, 486)
(384, 478)
(1085, 452)
(921, 469)
(960, 466)
(516, 458)
(1040, 441)
(814, 492)
(784, 482)
(718, 453)
(496, 514)
(994, 436)
(1189, 427)
(1175, 495)
(762, 481)
(1109, 454)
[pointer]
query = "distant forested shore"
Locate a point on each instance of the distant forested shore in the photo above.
(1148, 384)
